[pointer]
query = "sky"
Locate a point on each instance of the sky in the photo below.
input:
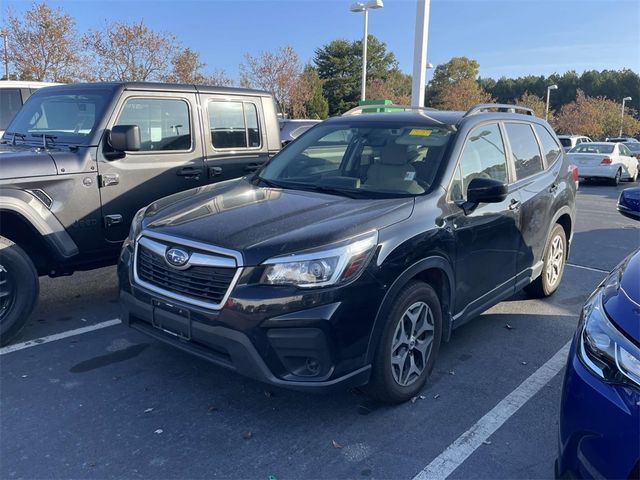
(508, 37)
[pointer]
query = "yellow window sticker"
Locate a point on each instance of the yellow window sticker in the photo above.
(420, 132)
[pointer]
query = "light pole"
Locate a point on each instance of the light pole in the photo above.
(5, 36)
(365, 7)
(426, 82)
(624, 100)
(421, 38)
(549, 88)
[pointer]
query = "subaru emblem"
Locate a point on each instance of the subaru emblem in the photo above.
(176, 257)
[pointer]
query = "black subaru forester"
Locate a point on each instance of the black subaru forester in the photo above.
(357, 249)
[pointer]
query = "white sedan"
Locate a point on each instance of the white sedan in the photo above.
(613, 161)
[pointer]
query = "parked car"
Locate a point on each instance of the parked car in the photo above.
(357, 249)
(598, 160)
(629, 202)
(600, 409)
(622, 140)
(634, 148)
(78, 161)
(13, 94)
(570, 141)
(290, 129)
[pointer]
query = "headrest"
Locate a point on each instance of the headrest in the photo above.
(394, 154)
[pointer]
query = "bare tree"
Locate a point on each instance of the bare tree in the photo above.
(277, 72)
(130, 52)
(187, 68)
(43, 44)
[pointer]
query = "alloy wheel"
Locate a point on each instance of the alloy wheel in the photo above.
(412, 343)
(555, 261)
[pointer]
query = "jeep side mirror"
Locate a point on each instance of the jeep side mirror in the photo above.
(125, 138)
(486, 190)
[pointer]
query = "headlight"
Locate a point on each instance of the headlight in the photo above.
(604, 349)
(322, 267)
(134, 230)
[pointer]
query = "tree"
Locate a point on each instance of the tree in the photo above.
(396, 87)
(456, 70)
(339, 65)
(534, 102)
(43, 45)
(276, 72)
(307, 100)
(462, 95)
(130, 52)
(187, 68)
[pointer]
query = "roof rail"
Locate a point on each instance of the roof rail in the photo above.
(361, 108)
(500, 107)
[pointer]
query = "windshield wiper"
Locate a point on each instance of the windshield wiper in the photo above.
(45, 137)
(14, 135)
(269, 183)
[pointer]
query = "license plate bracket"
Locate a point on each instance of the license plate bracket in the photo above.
(171, 319)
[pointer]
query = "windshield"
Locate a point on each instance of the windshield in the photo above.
(357, 160)
(593, 148)
(566, 142)
(62, 117)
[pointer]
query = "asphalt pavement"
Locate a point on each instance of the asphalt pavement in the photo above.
(108, 402)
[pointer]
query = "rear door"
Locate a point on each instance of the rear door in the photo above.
(234, 136)
(537, 162)
(170, 160)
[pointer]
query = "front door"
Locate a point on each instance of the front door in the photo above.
(170, 160)
(487, 238)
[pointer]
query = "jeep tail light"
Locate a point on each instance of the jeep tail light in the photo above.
(605, 161)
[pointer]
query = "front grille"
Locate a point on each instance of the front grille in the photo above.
(207, 285)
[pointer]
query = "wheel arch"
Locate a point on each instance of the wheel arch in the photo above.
(435, 271)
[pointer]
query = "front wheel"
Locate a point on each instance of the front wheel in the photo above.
(555, 258)
(408, 346)
(19, 287)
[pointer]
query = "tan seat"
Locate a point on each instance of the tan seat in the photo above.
(393, 172)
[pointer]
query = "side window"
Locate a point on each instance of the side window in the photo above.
(10, 102)
(483, 157)
(625, 151)
(524, 148)
(164, 123)
(234, 125)
(549, 146)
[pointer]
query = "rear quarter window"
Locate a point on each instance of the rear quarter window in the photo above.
(550, 149)
(524, 150)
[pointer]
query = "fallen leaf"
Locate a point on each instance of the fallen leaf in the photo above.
(524, 363)
(267, 394)
(25, 376)
(335, 444)
(487, 442)
(148, 410)
(158, 431)
(452, 372)
(508, 327)
(436, 396)
(247, 435)
(413, 400)
(422, 397)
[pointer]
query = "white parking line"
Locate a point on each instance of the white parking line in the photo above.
(58, 336)
(592, 269)
(455, 454)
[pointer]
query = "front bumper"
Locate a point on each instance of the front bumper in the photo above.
(303, 340)
(599, 426)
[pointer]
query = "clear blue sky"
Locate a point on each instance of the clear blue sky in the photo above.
(508, 37)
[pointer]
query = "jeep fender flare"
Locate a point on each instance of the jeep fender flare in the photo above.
(34, 213)
(432, 262)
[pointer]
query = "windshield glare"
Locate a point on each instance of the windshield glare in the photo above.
(362, 160)
(64, 118)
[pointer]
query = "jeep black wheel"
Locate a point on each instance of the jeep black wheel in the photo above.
(408, 346)
(19, 288)
(554, 261)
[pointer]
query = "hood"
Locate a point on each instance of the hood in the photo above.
(20, 161)
(632, 193)
(265, 222)
(623, 305)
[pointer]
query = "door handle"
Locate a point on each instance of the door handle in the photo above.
(189, 173)
(252, 167)
(514, 205)
(215, 171)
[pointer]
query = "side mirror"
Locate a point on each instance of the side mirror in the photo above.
(125, 138)
(486, 190)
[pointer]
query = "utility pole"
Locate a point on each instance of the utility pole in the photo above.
(420, 53)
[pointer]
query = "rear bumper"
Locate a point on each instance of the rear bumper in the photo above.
(600, 171)
(599, 426)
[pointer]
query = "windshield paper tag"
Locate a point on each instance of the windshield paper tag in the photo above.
(420, 132)
(409, 176)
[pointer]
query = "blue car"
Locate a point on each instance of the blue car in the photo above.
(600, 410)
(629, 202)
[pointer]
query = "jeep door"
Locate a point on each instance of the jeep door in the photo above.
(170, 160)
(235, 136)
(488, 237)
(538, 181)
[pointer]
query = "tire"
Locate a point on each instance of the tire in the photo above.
(635, 176)
(615, 181)
(19, 288)
(554, 262)
(396, 382)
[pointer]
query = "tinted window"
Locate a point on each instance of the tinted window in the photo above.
(10, 103)
(566, 142)
(164, 124)
(549, 146)
(483, 157)
(234, 125)
(524, 149)
(593, 148)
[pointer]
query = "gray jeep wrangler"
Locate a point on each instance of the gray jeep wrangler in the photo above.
(78, 161)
